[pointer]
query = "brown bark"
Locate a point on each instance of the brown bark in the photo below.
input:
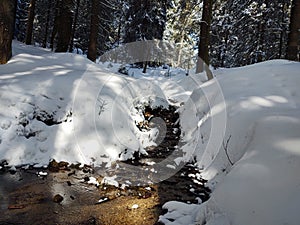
(92, 49)
(293, 45)
(47, 24)
(64, 25)
(203, 48)
(55, 24)
(30, 20)
(74, 26)
(7, 22)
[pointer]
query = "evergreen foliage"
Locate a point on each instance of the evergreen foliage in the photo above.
(242, 32)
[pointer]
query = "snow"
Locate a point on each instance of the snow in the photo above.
(135, 206)
(171, 166)
(263, 120)
(148, 188)
(93, 181)
(110, 181)
(42, 173)
(63, 107)
(105, 199)
(13, 169)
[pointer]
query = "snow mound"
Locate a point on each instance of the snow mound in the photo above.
(63, 107)
(261, 138)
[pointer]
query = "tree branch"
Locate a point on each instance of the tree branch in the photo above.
(225, 146)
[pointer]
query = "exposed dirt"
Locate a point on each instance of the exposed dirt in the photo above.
(62, 195)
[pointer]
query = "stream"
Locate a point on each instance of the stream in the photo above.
(70, 194)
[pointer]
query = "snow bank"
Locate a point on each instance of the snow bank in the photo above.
(62, 106)
(263, 120)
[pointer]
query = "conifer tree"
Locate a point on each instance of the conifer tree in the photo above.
(92, 50)
(7, 22)
(31, 14)
(64, 25)
(293, 48)
(204, 42)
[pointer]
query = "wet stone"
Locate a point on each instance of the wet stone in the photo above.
(58, 198)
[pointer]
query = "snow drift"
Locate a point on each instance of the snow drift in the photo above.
(262, 139)
(63, 107)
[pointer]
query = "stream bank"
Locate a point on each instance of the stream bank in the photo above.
(70, 194)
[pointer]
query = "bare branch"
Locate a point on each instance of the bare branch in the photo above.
(225, 146)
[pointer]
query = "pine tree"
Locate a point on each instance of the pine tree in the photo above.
(203, 49)
(246, 32)
(145, 20)
(74, 25)
(31, 14)
(21, 18)
(55, 24)
(82, 29)
(221, 35)
(119, 15)
(107, 25)
(64, 25)
(107, 28)
(47, 24)
(7, 22)
(92, 50)
(182, 28)
(293, 48)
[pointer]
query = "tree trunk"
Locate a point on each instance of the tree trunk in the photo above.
(74, 26)
(64, 25)
(55, 25)
(294, 34)
(119, 32)
(7, 22)
(280, 47)
(92, 49)
(47, 24)
(262, 33)
(30, 20)
(203, 48)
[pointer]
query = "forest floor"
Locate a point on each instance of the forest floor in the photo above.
(69, 194)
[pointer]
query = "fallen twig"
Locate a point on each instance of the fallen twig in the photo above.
(225, 146)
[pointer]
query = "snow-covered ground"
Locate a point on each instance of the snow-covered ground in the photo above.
(262, 139)
(62, 106)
